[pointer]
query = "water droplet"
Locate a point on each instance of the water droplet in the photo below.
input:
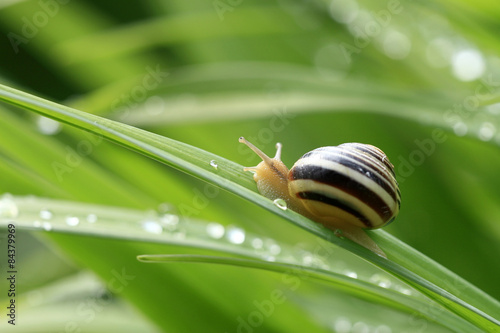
(396, 45)
(274, 249)
(170, 222)
(46, 214)
(91, 218)
(215, 230)
(380, 280)
(152, 227)
(48, 126)
(72, 221)
(342, 325)
(307, 259)
(214, 164)
(403, 290)
(269, 258)
(360, 327)
(280, 203)
(8, 208)
(351, 274)
(460, 129)
(468, 65)
(47, 226)
(364, 18)
(344, 11)
(235, 235)
(486, 131)
(257, 243)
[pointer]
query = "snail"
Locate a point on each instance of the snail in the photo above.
(350, 187)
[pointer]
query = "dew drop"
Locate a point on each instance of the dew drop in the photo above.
(170, 222)
(351, 274)
(396, 45)
(46, 214)
(257, 243)
(460, 129)
(403, 290)
(344, 11)
(8, 207)
(72, 221)
(269, 258)
(47, 226)
(48, 126)
(91, 218)
(380, 280)
(235, 235)
(342, 325)
(360, 327)
(280, 203)
(487, 131)
(468, 65)
(152, 227)
(213, 164)
(215, 230)
(274, 249)
(307, 259)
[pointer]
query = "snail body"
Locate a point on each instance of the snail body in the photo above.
(350, 187)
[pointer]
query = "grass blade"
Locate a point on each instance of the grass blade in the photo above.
(230, 176)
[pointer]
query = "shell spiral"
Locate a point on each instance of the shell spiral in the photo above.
(351, 183)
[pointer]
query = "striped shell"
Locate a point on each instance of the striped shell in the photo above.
(351, 183)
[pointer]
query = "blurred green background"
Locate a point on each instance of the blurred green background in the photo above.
(420, 80)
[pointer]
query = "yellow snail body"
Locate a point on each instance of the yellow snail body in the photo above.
(348, 187)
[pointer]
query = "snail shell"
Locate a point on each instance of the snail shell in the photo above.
(349, 187)
(351, 183)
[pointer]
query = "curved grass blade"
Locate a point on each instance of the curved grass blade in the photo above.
(230, 176)
(359, 288)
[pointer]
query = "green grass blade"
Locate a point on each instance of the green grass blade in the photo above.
(64, 217)
(360, 288)
(230, 176)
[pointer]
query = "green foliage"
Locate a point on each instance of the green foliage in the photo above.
(177, 83)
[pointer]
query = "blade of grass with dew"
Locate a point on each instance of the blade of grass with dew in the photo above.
(124, 224)
(122, 234)
(361, 289)
(229, 176)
